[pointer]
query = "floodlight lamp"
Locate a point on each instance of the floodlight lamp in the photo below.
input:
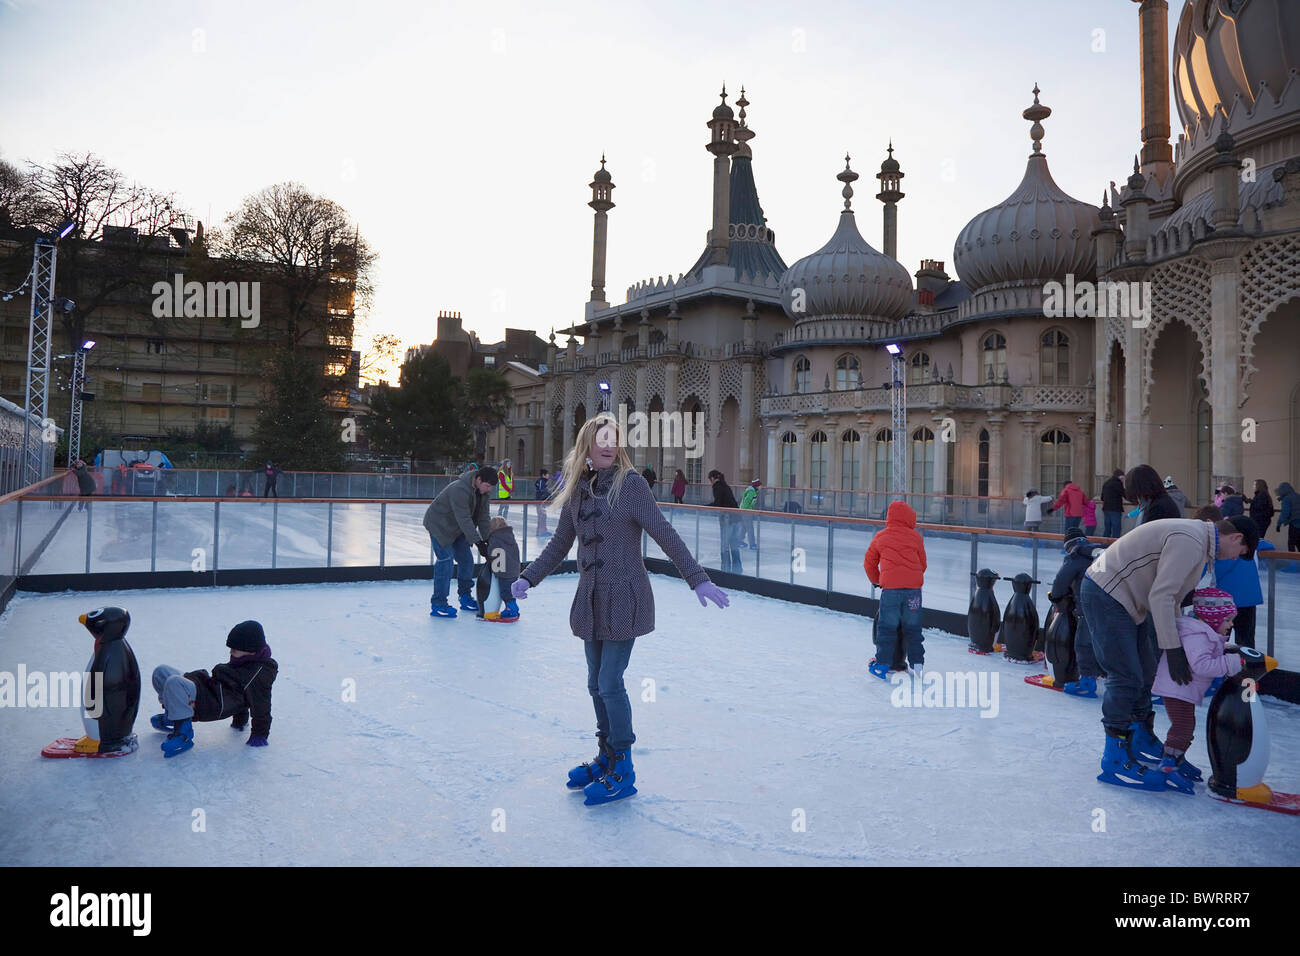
(604, 386)
(893, 349)
(88, 345)
(65, 230)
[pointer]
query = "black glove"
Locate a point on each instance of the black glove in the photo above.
(483, 549)
(1179, 669)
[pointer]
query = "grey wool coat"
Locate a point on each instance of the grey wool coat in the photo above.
(614, 601)
(457, 510)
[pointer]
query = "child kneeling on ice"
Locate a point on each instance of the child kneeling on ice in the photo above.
(1202, 635)
(232, 690)
(497, 574)
(895, 560)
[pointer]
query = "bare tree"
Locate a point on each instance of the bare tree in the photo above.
(121, 228)
(306, 245)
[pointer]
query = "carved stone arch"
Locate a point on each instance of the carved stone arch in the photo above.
(1270, 276)
(1180, 291)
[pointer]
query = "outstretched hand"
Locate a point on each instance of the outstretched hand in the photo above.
(519, 590)
(712, 592)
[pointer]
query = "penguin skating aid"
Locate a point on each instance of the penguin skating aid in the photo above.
(114, 667)
(1238, 741)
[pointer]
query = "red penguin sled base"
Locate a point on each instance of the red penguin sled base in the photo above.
(67, 747)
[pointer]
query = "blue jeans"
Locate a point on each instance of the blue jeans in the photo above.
(1074, 522)
(1125, 651)
(1114, 525)
(606, 662)
(900, 609)
(459, 552)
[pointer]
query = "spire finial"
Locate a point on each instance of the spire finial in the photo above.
(847, 177)
(891, 146)
(1036, 114)
(1136, 168)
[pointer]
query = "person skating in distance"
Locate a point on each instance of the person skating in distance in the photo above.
(605, 505)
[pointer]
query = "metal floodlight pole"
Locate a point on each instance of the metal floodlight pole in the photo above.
(74, 420)
(40, 331)
(898, 422)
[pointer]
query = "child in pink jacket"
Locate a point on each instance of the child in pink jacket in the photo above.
(1202, 636)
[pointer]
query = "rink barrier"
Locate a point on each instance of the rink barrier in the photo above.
(815, 530)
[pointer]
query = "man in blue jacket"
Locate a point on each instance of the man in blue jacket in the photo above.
(1240, 578)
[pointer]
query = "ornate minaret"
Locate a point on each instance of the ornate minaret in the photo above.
(890, 177)
(743, 133)
(602, 184)
(1157, 157)
(721, 145)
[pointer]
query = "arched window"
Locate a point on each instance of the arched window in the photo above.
(789, 459)
(694, 466)
(850, 449)
(995, 357)
(802, 374)
(1054, 358)
(847, 372)
(884, 460)
(922, 461)
(1054, 466)
(819, 460)
(918, 369)
(982, 478)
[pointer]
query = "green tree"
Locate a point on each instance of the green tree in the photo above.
(296, 427)
(422, 417)
(487, 403)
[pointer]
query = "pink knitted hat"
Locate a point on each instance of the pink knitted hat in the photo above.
(1213, 606)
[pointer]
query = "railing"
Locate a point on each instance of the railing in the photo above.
(13, 461)
(51, 540)
(936, 395)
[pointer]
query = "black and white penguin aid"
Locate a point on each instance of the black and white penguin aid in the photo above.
(1237, 731)
(983, 619)
(111, 691)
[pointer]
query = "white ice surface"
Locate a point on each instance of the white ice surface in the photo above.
(762, 710)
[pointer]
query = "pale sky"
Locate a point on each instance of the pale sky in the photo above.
(462, 136)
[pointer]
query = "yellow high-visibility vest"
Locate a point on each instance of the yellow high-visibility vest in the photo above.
(505, 484)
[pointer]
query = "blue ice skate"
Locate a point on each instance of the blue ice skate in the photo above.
(467, 603)
(1145, 745)
(1118, 767)
(1174, 777)
(586, 773)
(442, 610)
(180, 739)
(617, 782)
(160, 722)
(1083, 687)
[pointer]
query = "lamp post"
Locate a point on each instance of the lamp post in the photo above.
(898, 417)
(604, 396)
(78, 396)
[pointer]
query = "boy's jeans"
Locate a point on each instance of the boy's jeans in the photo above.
(1113, 521)
(900, 608)
(175, 692)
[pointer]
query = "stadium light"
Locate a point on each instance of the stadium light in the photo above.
(893, 349)
(88, 344)
(65, 230)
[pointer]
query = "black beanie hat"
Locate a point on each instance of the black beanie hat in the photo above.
(1073, 532)
(487, 474)
(246, 636)
(1249, 534)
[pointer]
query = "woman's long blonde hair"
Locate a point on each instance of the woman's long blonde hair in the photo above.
(575, 465)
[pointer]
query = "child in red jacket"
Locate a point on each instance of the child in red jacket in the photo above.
(895, 560)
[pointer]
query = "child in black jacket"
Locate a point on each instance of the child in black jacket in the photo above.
(232, 690)
(497, 574)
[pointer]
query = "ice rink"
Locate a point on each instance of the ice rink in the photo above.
(761, 740)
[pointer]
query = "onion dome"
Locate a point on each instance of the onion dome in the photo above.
(602, 175)
(1035, 235)
(846, 277)
(1227, 48)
